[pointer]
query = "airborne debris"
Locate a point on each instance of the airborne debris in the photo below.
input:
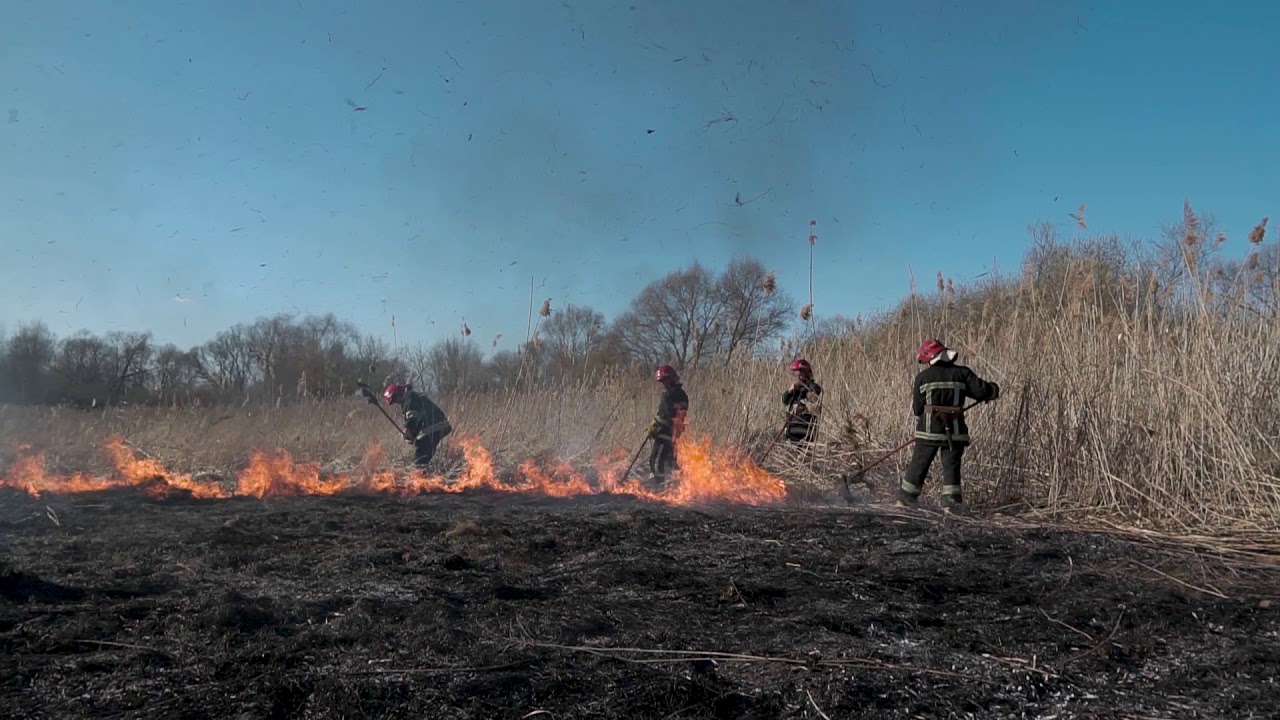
(724, 118)
(376, 79)
(737, 198)
(1078, 216)
(873, 76)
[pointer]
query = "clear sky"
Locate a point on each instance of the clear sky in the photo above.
(181, 166)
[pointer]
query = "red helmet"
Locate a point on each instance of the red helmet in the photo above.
(395, 393)
(802, 366)
(666, 373)
(929, 350)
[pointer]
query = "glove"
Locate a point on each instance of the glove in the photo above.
(653, 428)
(409, 437)
(995, 392)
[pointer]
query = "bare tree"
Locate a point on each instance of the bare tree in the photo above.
(675, 319)
(268, 340)
(1100, 270)
(834, 327)
(415, 364)
(83, 370)
(175, 373)
(130, 360)
(504, 369)
(753, 312)
(309, 355)
(226, 362)
(567, 338)
(455, 365)
(1184, 256)
(372, 351)
(28, 355)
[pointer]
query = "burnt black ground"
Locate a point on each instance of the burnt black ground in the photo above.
(449, 607)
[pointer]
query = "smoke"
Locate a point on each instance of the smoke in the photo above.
(594, 144)
(708, 121)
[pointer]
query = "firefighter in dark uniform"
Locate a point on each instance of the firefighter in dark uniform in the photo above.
(425, 424)
(804, 403)
(668, 425)
(937, 399)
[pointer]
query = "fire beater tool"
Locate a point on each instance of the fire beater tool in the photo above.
(861, 475)
(634, 458)
(373, 400)
(778, 436)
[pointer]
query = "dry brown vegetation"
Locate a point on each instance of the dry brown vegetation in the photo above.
(1138, 386)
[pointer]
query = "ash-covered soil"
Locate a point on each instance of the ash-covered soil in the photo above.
(484, 606)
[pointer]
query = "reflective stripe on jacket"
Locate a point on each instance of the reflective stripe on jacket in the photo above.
(939, 394)
(423, 418)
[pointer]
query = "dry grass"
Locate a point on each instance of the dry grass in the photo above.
(1150, 426)
(1124, 399)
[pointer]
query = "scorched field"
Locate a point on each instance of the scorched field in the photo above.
(157, 596)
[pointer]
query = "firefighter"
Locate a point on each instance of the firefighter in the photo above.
(668, 425)
(425, 424)
(803, 403)
(937, 399)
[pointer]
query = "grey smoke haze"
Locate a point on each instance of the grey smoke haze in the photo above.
(742, 107)
(193, 166)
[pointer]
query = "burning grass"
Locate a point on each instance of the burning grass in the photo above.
(1138, 389)
(708, 475)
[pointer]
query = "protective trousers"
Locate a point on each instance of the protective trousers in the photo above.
(802, 430)
(662, 458)
(424, 448)
(918, 470)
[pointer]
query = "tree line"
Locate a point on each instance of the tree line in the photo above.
(691, 318)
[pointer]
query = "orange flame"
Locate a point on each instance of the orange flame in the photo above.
(707, 475)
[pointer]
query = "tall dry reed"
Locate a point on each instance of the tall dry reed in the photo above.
(1123, 397)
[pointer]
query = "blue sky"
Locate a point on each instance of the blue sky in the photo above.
(183, 166)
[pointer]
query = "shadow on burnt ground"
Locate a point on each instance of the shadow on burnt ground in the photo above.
(481, 606)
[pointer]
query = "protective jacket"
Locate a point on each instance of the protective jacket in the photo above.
(423, 418)
(940, 391)
(807, 404)
(672, 408)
